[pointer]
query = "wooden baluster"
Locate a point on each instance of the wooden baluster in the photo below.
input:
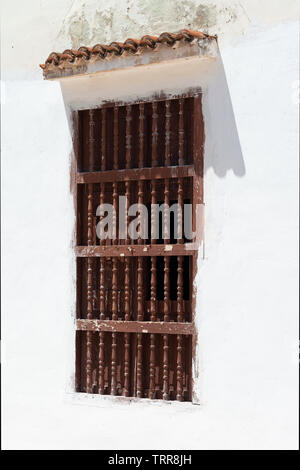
(115, 167)
(154, 159)
(101, 363)
(101, 334)
(153, 292)
(127, 336)
(139, 369)
(128, 197)
(90, 214)
(180, 211)
(139, 384)
(90, 233)
(116, 136)
(128, 138)
(127, 272)
(139, 318)
(114, 262)
(181, 133)
(167, 163)
(140, 165)
(152, 318)
(166, 258)
(166, 319)
(103, 139)
(103, 159)
(167, 133)
(89, 333)
(153, 217)
(102, 260)
(180, 289)
(91, 140)
(154, 134)
(179, 395)
(154, 163)
(140, 216)
(180, 162)
(114, 317)
(141, 134)
(89, 292)
(113, 390)
(115, 212)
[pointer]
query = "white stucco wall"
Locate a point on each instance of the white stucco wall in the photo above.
(247, 282)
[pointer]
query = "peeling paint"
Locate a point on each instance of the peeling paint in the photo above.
(86, 24)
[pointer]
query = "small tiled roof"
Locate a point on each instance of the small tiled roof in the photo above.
(101, 51)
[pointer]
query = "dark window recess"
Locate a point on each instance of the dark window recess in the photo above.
(135, 302)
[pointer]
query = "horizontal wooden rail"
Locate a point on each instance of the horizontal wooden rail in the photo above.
(136, 250)
(136, 174)
(174, 328)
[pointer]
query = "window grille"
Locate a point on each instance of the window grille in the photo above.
(135, 298)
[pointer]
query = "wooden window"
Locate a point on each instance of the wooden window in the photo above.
(135, 298)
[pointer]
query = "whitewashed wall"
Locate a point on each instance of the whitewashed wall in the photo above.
(247, 283)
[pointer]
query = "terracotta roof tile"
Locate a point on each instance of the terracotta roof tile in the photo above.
(117, 48)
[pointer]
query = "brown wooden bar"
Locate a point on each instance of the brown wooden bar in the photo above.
(154, 134)
(133, 174)
(114, 317)
(179, 389)
(127, 335)
(171, 328)
(101, 334)
(152, 319)
(166, 320)
(140, 314)
(103, 142)
(101, 363)
(102, 260)
(135, 250)
(139, 369)
(141, 134)
(128, 136)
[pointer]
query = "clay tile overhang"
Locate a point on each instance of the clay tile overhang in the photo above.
(87, 59)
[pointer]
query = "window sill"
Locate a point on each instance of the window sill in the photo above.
(90, 399)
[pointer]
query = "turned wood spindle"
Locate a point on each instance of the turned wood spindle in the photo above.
(128, 138)
(153, 282)
(181, 133)
(139, 318)
(92, 140)
(154, 163)
(114, 309)
(103, 139)
(90, 232)
(115, 213)
(102, 260)
(154, 227)
(127, 335)
(140, 165)
(166, 228)
(103, 160)
(180, 180)
(179, 394)
(154, 134)
(166, 319)
(113, 390)
(102, 317)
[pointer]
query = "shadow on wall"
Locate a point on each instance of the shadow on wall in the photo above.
(222, 144)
